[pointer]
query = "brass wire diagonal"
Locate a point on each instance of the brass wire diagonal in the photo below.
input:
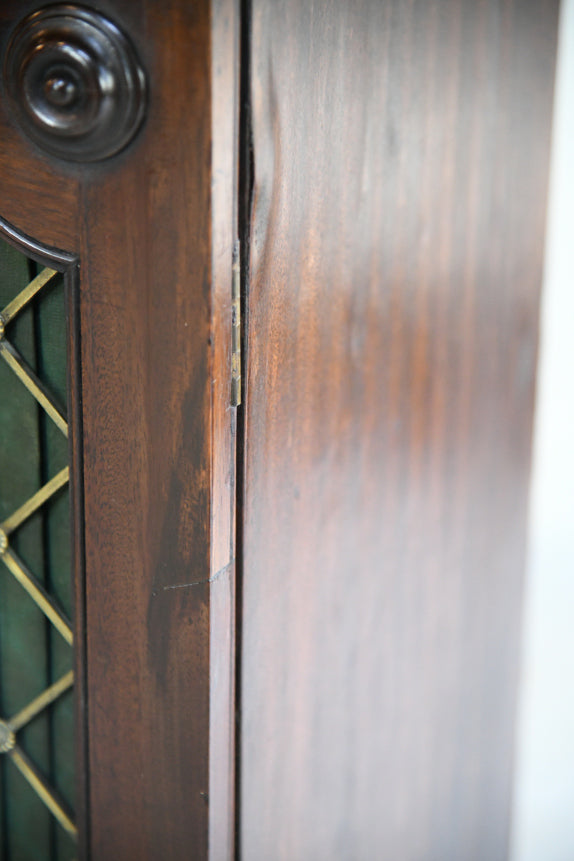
(41, 702)
(22, 299)
(33, 384)
(19, 570)
(39, 785)
(38, 594)
(40, 497)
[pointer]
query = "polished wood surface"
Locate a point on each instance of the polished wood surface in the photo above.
(400, 171)
(153, 228)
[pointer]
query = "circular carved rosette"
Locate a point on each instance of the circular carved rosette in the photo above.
(75, 82)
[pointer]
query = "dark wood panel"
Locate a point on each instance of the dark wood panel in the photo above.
(154, 229)
(400, 173)
(145, 351)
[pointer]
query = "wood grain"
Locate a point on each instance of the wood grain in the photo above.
(224, 156)
(154, 229)
(400, 158)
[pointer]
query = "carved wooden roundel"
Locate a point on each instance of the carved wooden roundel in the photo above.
(75, 82)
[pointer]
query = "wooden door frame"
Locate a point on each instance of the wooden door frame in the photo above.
(153, 230)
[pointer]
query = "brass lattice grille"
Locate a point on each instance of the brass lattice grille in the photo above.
(15, 553)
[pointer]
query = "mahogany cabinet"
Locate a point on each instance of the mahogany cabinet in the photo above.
(301, 250)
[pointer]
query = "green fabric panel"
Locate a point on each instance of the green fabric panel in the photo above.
(32, 653)
(23, 654)
(52, 363)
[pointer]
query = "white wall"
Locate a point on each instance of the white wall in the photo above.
(544, 794)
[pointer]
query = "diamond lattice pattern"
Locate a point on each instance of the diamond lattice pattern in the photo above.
(34, 569)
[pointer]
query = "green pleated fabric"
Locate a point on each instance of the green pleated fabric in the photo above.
(33, 655)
